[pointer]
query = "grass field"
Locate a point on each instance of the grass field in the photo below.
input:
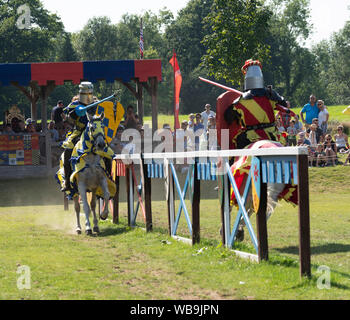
(125, 263)
(130, 264)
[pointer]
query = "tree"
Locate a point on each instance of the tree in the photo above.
(35, 42)
(238, 31)
(338, 73)
(290, 66)
(97, 41)
(65, 50)
(28, 33)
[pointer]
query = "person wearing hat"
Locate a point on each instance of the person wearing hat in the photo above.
(206, 114)
(30, 126)
(79, 123)
(254, 110)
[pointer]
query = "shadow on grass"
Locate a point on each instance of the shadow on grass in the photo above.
(328, 248)
(113, 231)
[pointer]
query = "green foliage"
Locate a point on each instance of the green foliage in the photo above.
(212, 39)
(238, 31)
(27, 45)
(291, 66)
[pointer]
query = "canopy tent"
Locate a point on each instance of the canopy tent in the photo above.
(145, 73)
(37, 81)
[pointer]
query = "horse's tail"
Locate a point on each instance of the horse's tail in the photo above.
(273, 192)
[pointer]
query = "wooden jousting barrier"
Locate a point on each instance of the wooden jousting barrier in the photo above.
(275, 165)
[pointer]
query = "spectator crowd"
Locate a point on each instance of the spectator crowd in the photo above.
(308, 128)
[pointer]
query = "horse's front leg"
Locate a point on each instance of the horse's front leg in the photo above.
(77, 212)
(82, 192)
(106, 195)
(93, 209)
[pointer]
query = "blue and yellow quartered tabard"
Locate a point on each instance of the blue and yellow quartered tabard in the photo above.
(112, 118)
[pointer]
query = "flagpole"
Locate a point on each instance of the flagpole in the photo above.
(141, 30)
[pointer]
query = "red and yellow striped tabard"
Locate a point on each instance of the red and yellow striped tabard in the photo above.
(254, 111)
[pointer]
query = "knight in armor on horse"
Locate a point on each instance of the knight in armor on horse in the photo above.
(79, 121)
(254, 111)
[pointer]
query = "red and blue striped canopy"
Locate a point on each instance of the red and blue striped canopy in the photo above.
(93, 71)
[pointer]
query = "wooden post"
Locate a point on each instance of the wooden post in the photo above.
(224, 187)
(196, 207)
(154, 91)
(171, 201)
(304, 216)
(140, 109)
(128, 182)
(261, 225)
(147, 187)
(44, 95)
(116, 200)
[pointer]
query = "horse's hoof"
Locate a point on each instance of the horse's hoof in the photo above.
(103, 217)
(88, 232)
(78, 231)
(96, 229)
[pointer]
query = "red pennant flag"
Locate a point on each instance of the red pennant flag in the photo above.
(177, 89)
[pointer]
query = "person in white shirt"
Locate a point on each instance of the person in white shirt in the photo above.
(323, 116)
(205, 115)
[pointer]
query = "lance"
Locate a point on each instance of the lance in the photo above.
(220, 86)
(81, 109)
(278, 106)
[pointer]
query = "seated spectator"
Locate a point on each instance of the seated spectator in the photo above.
(279, 125)
(30, 126)
(21, 126)
(302, 141)
(198, 129)
(191, 121)
(330, 149)
(312, 136)
(319, 133)
(320, 156)
(292, 134)
(211, 122)
(54, 133)
(181, 137)
(298, 124)
(8, 129)
(323, 117)
(347, 159)
(341, 140)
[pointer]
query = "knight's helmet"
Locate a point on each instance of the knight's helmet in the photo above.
(86, 90)
(254, 78)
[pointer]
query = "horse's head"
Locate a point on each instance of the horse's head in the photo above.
(96, 131)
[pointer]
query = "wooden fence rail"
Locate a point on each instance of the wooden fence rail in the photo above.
(276, 165)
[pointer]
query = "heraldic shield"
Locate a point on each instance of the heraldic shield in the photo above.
(256, 183)
(113, 116)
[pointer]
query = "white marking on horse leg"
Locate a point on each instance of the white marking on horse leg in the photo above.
(77, 212)
(93, 209)
(82, 192)
(106, 196)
